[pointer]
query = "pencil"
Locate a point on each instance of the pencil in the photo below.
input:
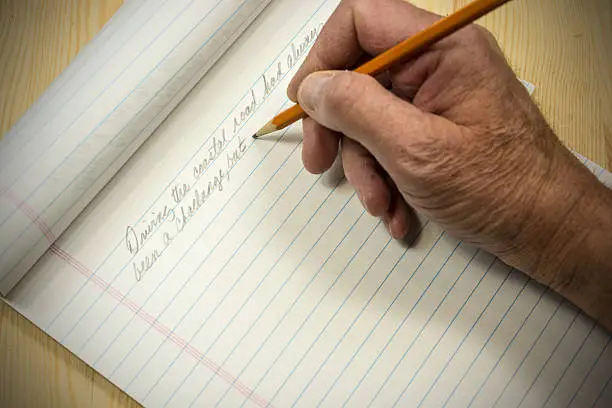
(403, 51)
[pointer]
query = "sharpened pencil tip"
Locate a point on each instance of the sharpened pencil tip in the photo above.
(267, 128)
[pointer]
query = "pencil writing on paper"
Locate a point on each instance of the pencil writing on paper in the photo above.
(158, 231)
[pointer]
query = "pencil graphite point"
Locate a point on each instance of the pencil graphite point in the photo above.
(267, 128)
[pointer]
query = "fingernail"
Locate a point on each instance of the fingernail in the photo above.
(312, 89)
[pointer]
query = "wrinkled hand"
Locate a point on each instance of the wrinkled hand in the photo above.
(452, 134)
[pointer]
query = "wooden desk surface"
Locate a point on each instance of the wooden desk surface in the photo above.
(562, 46)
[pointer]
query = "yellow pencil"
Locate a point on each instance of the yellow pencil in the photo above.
(403, 51)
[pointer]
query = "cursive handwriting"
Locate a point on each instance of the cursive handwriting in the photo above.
(189, 197)
(214, 151)
(298, 51)
(135, 237)
(245, 113)
(270, 82)
(179, 192)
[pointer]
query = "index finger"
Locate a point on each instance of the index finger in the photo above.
(357, 28)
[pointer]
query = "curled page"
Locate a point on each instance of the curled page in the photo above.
(99, 112)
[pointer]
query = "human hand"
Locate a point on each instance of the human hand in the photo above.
(458, 138)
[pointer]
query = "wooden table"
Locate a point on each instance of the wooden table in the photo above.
(562, 46)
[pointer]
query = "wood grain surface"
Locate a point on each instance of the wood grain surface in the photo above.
(562, 46)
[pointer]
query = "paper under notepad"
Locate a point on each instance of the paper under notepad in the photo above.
(213, 270)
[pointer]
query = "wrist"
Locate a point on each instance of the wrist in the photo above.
(576, 259)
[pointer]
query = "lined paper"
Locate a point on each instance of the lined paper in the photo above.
(98, 113)
(213, 270)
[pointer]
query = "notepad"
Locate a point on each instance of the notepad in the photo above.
(145, 230)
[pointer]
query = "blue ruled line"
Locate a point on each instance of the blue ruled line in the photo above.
(482, 313)
(567, 367)
(248, 267)
(394, 268)
(448, 327)
(329, 321)
(449, 291)
(348, 363)
(535, 342)
(603, 390)
(372, 330)
(516, 333)
(78, 88)
(414, 339)
(348, 329)
(122, 101)
(315, 308)
(548, 359)
(486, 343)
(588, 374)
(278, 291)
(295, 301)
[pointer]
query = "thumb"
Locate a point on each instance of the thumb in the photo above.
(360, 108)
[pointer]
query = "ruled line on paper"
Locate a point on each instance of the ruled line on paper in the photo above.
(390, 272)
(432, 315)
(387, 310)
(501, 320)
(299, 296)
(434, 245)
(569, 364)
(122, 101)
(168, 186)
(589, 372)
(401, 325)
(336, 279)
(543, 366)
(528, 353)
(451, 323)
(115, 137)
(247, 268)
(51, 96)
(465, 337)
(417, 336)
(29, 212)
(153, 322)
(338, 309)
(603, 390)
(278, 291)
(266, 214)
(510, 343)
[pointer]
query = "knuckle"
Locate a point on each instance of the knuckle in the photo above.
(475, 33)
(478, 37)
